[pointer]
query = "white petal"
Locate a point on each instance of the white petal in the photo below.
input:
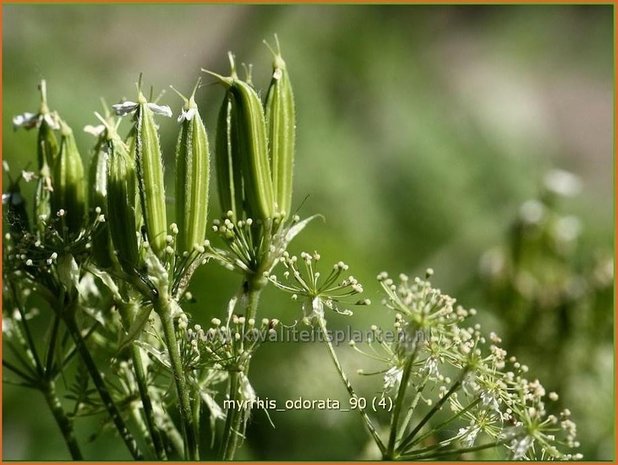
(186, 115)
(160, 109)
(27, 175)
(51, 121)
(125, 108)
(96, 131)
(25, 120)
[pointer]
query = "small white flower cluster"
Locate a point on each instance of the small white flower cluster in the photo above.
(305, 282)
(449, 362)
(225, 347)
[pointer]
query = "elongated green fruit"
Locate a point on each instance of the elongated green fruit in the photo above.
(252, 144)
(121, 188)
(281, 126)
(229, 176)
(192, 178)
(150, 177)
(69, 192)
(42, 198)
(47, 144)
(47, 153)
(97, 199)
(248, 132)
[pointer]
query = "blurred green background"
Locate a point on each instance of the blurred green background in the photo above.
(421, 131)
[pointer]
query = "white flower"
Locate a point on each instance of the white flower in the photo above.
(25, 120)
(468, 435)
(27, 175)
(562, 183)
(186, 115)
(32, 120)
(160, 109)
(96, 131)
(392, 378)
(127, 107)
(520, 447)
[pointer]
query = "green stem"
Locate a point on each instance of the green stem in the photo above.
(97, 379)
(163, 308)
(412, 407)
(401, 395)
(228, 443)
(49, 364)
(442, 453)
(140, 377)
(445, 423)
(234, 427)
(348, 385)
(64, 423)
(408, 440)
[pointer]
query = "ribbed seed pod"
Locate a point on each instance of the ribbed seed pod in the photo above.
(97, 183)
(150, 177)
(121, 196)
(42, 198)
(192, 178)
(281, 125)
(68, 182)
(47, 144)
(246, 129)
(229, 176)
(250, 136)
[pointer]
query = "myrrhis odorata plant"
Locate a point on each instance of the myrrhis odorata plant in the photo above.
(97, 271)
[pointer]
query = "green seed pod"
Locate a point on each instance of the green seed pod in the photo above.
(42, 198)
(150, 176)
(192, 177)
(121, 203)
(281, 125)
(68, 182)
(47, 145)
(229, 176)
(97, 181)
(250, 135)
(253, 148)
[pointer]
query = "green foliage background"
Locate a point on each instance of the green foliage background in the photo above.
(421, 129)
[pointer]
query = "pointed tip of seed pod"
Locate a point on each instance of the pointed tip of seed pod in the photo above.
(227, 81)
(65, 129)
(43, 90)
(185, 99)
(278, 61)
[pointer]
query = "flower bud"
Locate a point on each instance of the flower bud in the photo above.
(68, 182)
(192, 177)
(281, 126)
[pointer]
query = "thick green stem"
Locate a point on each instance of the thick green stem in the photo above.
(348, 386)
(62, 420)
(234, 425)
(163, 308)
(106, 397)
(140, 377)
